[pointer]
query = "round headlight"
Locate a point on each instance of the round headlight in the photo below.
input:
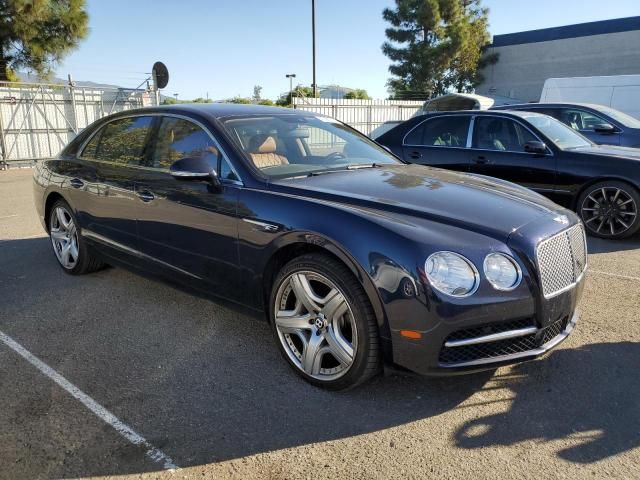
(502, 271)
(451, 273)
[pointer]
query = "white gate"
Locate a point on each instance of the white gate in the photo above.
(363, 115)
(38, 120)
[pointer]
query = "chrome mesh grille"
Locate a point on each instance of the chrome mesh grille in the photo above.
(562, 259)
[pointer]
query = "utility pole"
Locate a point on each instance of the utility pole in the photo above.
(313, 36)
(291, 76)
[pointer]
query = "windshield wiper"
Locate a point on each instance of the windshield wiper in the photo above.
(357, 166)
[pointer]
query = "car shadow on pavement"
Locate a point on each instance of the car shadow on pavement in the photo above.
(601, 245)
(589, 393)
(205, 384)
(200, 382)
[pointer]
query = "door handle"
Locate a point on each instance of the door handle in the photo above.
(76, 183)
(481, 160)
(415, 155)
(146, 196)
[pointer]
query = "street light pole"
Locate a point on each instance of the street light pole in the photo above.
(313, 37)
(291, 76)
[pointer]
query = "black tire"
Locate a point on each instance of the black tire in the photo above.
(610, 209)
(86, 261)
(367, 359)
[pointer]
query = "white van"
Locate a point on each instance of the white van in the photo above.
(621, 92)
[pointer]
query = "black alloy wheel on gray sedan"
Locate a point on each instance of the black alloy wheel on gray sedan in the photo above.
(610, 210)
(72, 253)
(323, 323)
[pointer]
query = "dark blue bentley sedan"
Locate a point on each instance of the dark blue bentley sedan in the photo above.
(356, 257)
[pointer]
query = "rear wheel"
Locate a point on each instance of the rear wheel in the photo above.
(71, 251)
(610, 210)
(323, 323)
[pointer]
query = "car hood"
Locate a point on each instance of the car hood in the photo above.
(482, 204)
(627, 152)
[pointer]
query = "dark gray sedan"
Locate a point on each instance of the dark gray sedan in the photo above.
(600, 124)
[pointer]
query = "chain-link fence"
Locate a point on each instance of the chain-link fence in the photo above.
(38, 120)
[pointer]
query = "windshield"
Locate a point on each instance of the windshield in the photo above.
(289, 145)
(618, 116)
(562, 136)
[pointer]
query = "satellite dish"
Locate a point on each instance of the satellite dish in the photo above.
(160, 75)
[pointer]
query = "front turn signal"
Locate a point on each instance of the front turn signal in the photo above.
(412, 334)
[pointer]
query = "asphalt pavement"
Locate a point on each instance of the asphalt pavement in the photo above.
(207, 388)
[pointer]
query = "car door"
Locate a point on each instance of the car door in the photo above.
(585, 122)
(439, 141)
(186, 227)
(498, 150)
(116, 153)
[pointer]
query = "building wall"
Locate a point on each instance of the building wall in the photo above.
(523, 68)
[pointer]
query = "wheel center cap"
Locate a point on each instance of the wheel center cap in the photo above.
(320, 322)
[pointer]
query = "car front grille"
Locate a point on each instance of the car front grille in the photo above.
(562, 259)
(451, 356)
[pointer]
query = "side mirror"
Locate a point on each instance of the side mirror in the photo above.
(538, 148)
(604, 128)
(194, 168)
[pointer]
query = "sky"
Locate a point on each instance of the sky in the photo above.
(222, 48)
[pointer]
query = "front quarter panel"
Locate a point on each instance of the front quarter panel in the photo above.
(577, 170)
(387, 254)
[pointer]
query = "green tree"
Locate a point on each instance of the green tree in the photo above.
(357, 94)
(256, 94)
(201, 100)
(238, 99)
(299, 91)
(36, 34)
(436, 46)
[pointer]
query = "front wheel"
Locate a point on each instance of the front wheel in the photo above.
(610, 210)
(324, 323)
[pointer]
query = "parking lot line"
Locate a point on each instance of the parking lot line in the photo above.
(617, 275)
(105, 415)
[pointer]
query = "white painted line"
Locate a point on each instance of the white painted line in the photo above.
(627, 277)
(105, 415)
(9, 216)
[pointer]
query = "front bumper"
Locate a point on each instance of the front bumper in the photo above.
(472, 346)
(568, 324)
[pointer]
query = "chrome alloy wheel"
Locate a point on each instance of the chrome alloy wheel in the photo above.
(64, 237)
(315, 325)
(609, 211)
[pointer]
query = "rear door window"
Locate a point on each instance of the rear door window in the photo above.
(122, 141)
(91, 148)
(447, 131)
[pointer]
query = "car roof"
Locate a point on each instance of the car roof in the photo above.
(549, 104)
(506, 111)
(219, 110)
